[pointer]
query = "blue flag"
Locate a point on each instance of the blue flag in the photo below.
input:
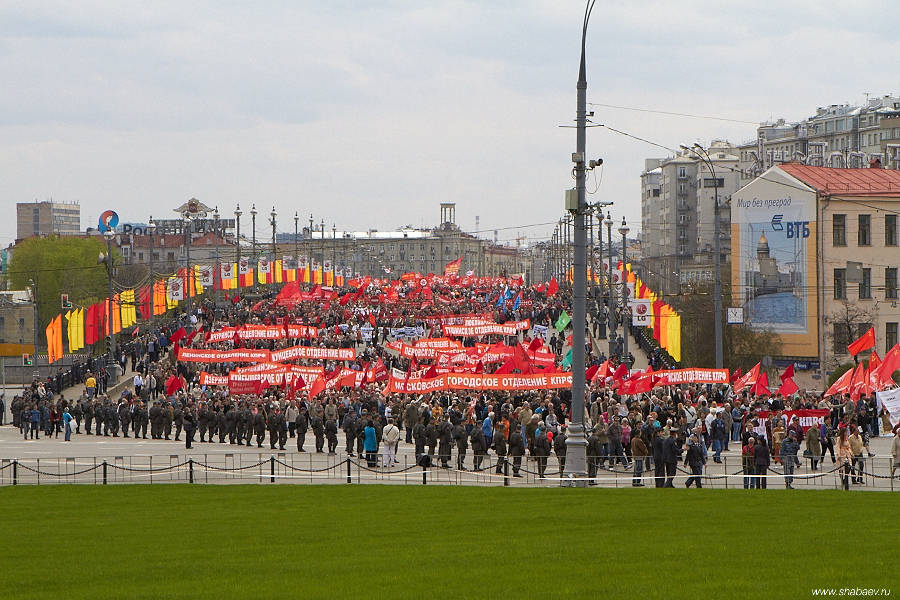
(518, 301)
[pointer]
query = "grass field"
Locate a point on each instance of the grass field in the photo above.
(369, 541)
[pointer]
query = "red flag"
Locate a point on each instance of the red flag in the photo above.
(540, 288)
(857, 383)
(761, 386)
(866, 341)
(431, 372)
(589, 374)
(372, 320)
(842, 384)
(552, 287)
(788, 373)
(787, 387)
(602, 372)
(621, 371)
(318, 386)
(736, 375)
(887, 367)
(535, 344)
(136, 331)
(178, 335)
(748, 380)
(173, 384)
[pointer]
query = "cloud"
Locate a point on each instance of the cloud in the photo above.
(369, 115)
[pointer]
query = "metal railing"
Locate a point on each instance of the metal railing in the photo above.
(292, 467)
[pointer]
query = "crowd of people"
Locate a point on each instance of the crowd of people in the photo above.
(656, 432)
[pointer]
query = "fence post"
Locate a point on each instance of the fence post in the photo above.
(272, 469)
(505, 472)
(349, 475)
(16, 474)
(104, 472)
(424, 474)
(191, 470)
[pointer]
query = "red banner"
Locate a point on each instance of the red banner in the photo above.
(473, 330)
(471, 381)
(314, 353)
(213, 356)
(807, 417)
(301, 331)
(678, 376)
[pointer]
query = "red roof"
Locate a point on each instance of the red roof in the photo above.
(847, 182)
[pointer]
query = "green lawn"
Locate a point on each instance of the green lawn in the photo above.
(369, 541)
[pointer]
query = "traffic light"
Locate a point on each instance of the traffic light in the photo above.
(27, 361)
(65, 301)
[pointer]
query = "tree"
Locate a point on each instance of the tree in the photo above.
(58, 265)
(747, 346)
(845, 323)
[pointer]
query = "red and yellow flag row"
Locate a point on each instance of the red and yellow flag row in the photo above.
(88, 325)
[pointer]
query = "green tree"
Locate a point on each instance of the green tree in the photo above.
(59, 265)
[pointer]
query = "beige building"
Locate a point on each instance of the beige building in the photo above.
(47, 218)
(16, 323)
(677, 214)
(816, 259)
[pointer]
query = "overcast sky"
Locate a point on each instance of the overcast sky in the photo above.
(369, 114)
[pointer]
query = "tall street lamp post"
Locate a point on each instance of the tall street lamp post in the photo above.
(576, 443)
(703, 154)
(611, 297)
(237, 243)
(623, 229)
(217, 272)
(109, 234)
(296, 232)
(187, 262)
(274, 247)
(254, 259)
(151, 229)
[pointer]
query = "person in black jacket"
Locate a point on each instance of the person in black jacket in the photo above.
(761, 464)
(695, 460)
(479, 447)
(277, 430)
(331, 435)
(187, 419)
(559, 446)
(516, 450)
(670, 454)
(318, 427)
(301, 426)
(462, 444)
(500, 445)
(445, 442)
(541, 450)
(348, 426)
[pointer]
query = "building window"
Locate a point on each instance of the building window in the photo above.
(840, 284)
(841, 337)
(864, 234)
(839, 230)
(890, 336)
(890, 230)
(865, 286)
(714, 182)
(890, 283)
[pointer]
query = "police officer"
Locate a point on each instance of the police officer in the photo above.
(479, 447)
(259, 426)
(124, 416)
(88, 412)
(203, 421)
(301, 426)
(112, 419)
(140, 428)
(318, 428)
(500, 445)
(331, 435)
(541, 450)
(222, 423)
(231, 422)
(419, 437)
(594, 452)
(462, 444)
(277, 430)
(349, 428)
(559, 446)
(516, 449)
(431, 437)
(445, 442)
(155, 420)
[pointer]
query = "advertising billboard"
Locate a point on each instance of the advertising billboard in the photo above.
(773, 259)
